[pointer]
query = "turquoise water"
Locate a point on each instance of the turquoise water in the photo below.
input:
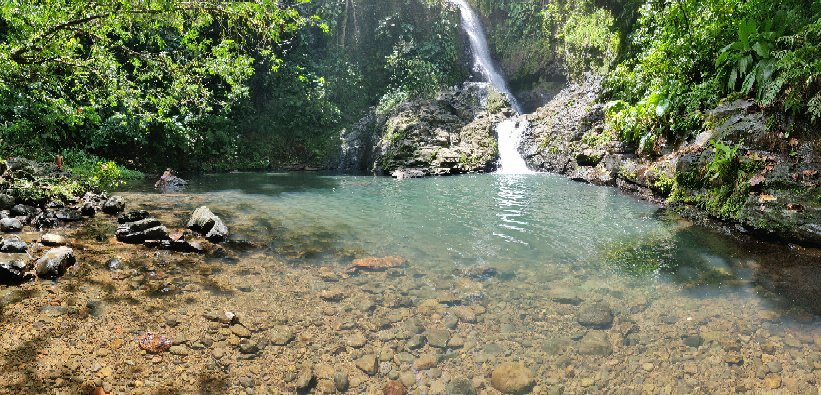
(504, 221)
(593, 291)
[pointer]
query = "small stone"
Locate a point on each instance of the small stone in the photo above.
(438, 338)
(114, 264)
(733, 358)
(512, 378)
(356, 340)
(461, 386)
(282, 336)
(774, 367)
(394, 388)
(772, 381)
(13, 245)
(415, 342)
(53, 240)
(426, 361)
(332, 295)
(595, 315)
(595, 343)
(305, 378)
(408, 378)
(368, 364)
(248, 348)
(341, 381)
(451, 322)
(564, 296)
(178, 350)
(240, 331)
(694, 341)
(647, 366)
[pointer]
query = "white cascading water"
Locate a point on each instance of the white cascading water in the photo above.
(509, 131)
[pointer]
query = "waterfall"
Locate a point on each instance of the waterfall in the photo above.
(510, 135)
(510, 131)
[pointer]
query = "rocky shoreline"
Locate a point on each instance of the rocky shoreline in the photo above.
(771, 186)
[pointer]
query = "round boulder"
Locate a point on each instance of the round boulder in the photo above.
(512, 378)
(54, 263)
(595, 315)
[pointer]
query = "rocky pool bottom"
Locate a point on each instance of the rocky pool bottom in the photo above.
(534, 308)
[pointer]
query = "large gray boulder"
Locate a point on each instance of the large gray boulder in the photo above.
(114, 205)
(54, 263)
(11, 225)
(205, 222)
(453, 133)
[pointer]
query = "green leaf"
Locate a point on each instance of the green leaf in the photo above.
(762, 49)
(749, 81)
(732, 80)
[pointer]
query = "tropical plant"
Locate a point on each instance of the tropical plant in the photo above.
(750, 59)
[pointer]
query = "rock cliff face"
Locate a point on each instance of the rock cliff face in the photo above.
(738, 170)
(453, 133)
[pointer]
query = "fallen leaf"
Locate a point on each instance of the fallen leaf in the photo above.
(99, 391)
(809, 173)
(767, 198)
(794, 207)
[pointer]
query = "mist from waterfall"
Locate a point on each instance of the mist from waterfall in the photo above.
(510, 131)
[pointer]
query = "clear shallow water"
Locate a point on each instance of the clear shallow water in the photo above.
(593, 291)
(512, 221)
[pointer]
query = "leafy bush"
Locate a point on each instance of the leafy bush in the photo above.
(97, 173)
(724, 161)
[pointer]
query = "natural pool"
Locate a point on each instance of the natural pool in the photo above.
(583, 289)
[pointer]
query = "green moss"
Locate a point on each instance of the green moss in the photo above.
(496, 102)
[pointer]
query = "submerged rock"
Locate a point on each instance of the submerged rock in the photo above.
(377, 264)
(368, 364)
(394, 388)
(512, 378)
(205, 222)
(595, 343)
(461, 386)
(54, 263)
(595, 315)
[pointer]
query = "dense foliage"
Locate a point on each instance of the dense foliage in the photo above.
(688, 55)
(209, 84)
